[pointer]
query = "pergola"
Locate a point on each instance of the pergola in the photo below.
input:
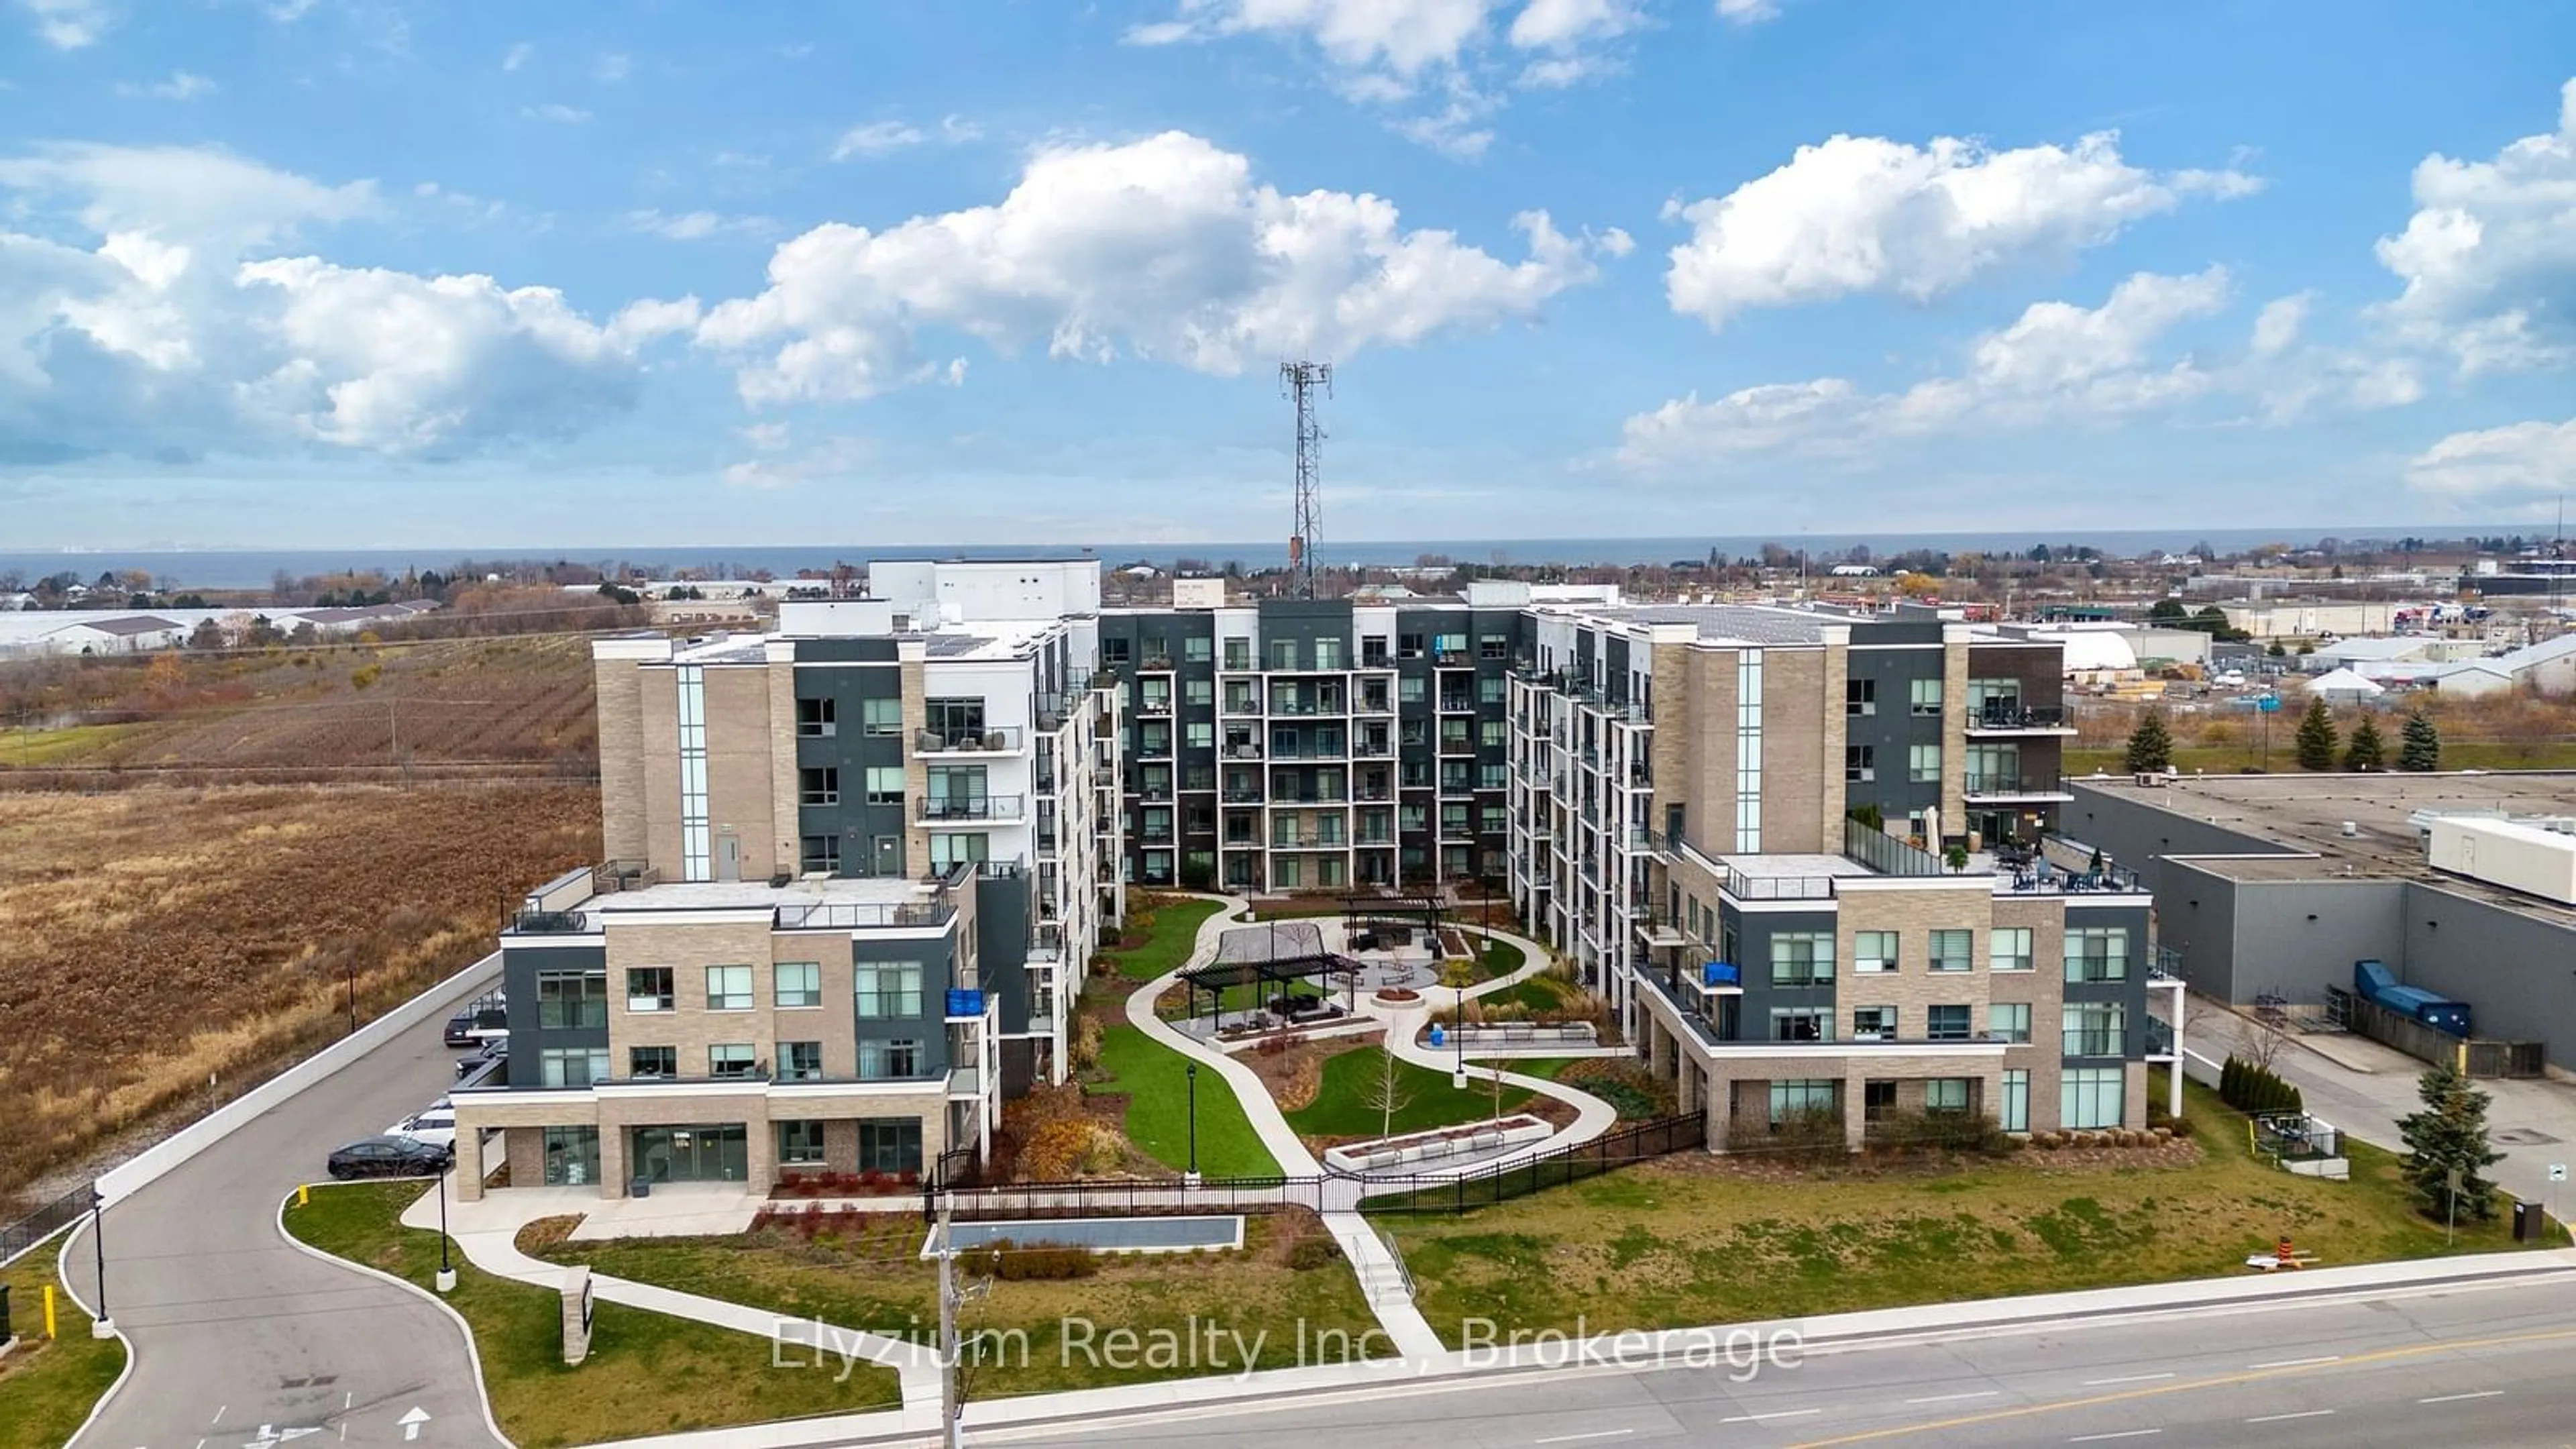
(1281, 953)
(1358, 910)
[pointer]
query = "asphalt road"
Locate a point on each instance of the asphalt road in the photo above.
(239, 1339)
(2462, 1365)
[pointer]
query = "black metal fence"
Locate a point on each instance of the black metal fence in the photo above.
(16, 1238)
(1639, 1142)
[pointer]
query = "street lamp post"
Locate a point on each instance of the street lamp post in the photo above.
(1192, 1178)
(104, 1325)
(446, 1269)
(1458, 1029)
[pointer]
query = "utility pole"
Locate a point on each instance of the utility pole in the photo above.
(949, 1433)
(1301, 381)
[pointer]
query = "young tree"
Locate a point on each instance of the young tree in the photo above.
(2150, 744)
(2449, 1135)
(2365, 752)
(2420, 748)
(1388, 1091)
(2317, 736)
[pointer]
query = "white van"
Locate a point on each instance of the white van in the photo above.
(434, 1124)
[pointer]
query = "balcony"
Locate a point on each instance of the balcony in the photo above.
(1238, 705)
(2010, 717)
(1307, 706)
(1374, 704)
(1241, 794)
(1373, 749)
(1156, 664)
(1160, 790)
(547, 923)
(1457, 704)
(1377, 793)
(1317, 796)
(1452, 659)
(1306, 842)
(970, 809)
(1151, 748)
(1242, 842)
(1154, 708)
(1685, 995)
(1242, 750)
(862, 915)
(2017, 789)
(1779, 887)
(1003, 740)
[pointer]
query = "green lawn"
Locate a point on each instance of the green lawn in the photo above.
(1167, 942)
(1341, 1106)
(66, 746)
(1498, 959)
(647, 1373)
(48, 1388)
(874, 1279)
(1155, 1079)
(1542, 992)
(1680, 1242)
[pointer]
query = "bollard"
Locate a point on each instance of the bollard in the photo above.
(304, 1194)
(49, 1311)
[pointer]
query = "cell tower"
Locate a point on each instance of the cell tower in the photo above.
(1301, 381)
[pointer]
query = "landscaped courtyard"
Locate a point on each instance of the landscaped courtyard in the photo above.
(48, 1386)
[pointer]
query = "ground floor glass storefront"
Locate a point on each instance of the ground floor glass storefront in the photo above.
(572, 1156)
(712, 1152)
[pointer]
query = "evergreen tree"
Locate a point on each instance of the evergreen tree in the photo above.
(2420, 749)
(2150, 744)
(2364, 752)
(2317, 736)
(2450, 1133)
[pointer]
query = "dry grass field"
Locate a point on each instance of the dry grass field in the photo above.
(151, 937)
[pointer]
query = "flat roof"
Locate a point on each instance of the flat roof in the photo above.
(722, 895)
(1719, 623)
(1793, 866)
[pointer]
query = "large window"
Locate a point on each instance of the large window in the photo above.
(1947, 1094)
(728, 988)
(889, 1146)
(1197, 649)
(799, 983)
(1238, 653)
(819, 854)
(731, 1059)
(1860, 697)
(1923, 697)
(2015, 1116)
(572, 1156)
(1493, 646)
(885, 784)
(2008, 948)
(1409, 689)
(2097, 953)
(800, 1143)
(1873, 951)
(1954, 950)
(1795, 1097)
(881, 715)
(815, 717)
(570, 999)
(1873, 1023)
(2095, 1028)
(648, 988)
(959, 721)
(1802, 958)
(883, 1061)
(572, 1067)
(800, 1061)
(1860, 764)
(1198, 691)
(652, 1061)
(2008, 1021)
(1923, 764)
(951, 848)
(2089, 1097)
(889, 989)
(1947, 1023)
(1800, 1023)
(818, 785)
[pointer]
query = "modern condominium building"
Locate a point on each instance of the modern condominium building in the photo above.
(855, 871)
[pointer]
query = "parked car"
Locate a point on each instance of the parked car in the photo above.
(494, 1051)
(487, 1019)
(434, 1124)
(390, 1157)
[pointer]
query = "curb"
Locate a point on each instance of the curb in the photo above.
(65, 1278)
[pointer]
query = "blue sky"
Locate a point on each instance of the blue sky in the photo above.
(369, 273)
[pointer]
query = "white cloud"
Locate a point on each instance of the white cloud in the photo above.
(181, 86)
(1748, 12)
(1866, 214)
(517, 56)
(611, 68)
(2056, 363)
(2489, 257)
(557, 112)
(287, 12)
(877, 138)
(958, 130)
(70, 24)
(695, 225)
(2523, 463)
(1564, 24)
(832, 458)
(1161, 32)
(2279, 323)
(209, 196)
(1165, 248)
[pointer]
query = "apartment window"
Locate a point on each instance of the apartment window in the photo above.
(799, 983)
(1197, 649)
(728, 988)
(1795, 1098)
(2008, 1021)
(818, 786)
(1860, 697)
(1449, 646)
(818, 854)
(1946, 1094)
(1791, 1023)
(572, 999)
(1748, 759)
(1493, 819)
(1238, 653)
(690, 684)
(1925, 698)
(2097, 953)
(1116, 651)
(731, 1059)
(1154, 693)
(2015, 1113)
(952, 848)
(1409, 689)
(889, 1146)
(1283, 653)
(1493, 776)
(648, 988)
(889, 1060)
(572, 1066)
(2008, 948)
(1946, 1023)
(1860, 764)
(1802, 958)
(1877, 1098)
(1493, 646)
(1954, 950)
(2090, 1097)
(1408, 646)
(817, 717)
(1373, 651)
(1873, 1022)
(882, 715)
(1198, 691)
(800, 1061)
(800, 1143)
(1453, 733)
(1288, 872)
(885, 784)
(2095, 1028)
(889, 988)
(1328, 654)
(1453, 776)
(1200, 734)
(1873, 951)
(1923, 764)
(652, 1061)
(1489, 689)
(1489, 732)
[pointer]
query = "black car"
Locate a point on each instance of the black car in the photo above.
(481, 1022)
(494, 1051)
(390, 1157)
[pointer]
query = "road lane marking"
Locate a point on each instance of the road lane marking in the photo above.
(2126, 1379)
(2024, 1411)
(1956, 1398)
(1578, 1438)
(2302, 1414)
(2123, 1434)
(2298, 1362)
(2455, 1398)
(219, 1414)
(1774, 1414)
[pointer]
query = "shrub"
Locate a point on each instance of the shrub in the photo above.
(2252, 1089)
(1036, 1263)
(1938, 1132)
(1315, 1252)
(1813, 1137)
(1066, 1147)
(1086, 1043)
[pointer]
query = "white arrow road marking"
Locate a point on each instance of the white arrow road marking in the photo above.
(270, 1436)
(412, 1421)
